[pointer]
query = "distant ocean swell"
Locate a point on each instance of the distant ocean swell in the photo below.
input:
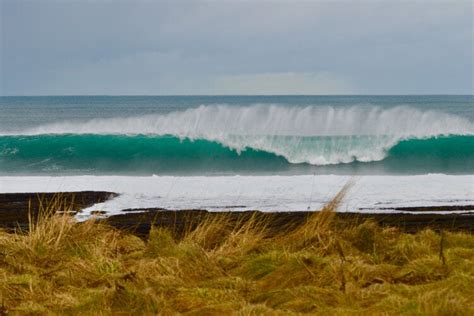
(256, 138)
(87, 154)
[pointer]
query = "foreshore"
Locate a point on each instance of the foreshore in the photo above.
(16, 209)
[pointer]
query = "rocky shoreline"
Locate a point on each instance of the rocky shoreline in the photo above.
(16, 207)
(141, 221)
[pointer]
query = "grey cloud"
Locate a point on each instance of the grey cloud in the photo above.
(148, 47)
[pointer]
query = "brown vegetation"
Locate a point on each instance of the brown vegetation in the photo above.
(228, 267)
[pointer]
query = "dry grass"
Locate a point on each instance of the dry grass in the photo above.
(223, 267)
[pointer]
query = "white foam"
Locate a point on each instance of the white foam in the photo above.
(266, 193)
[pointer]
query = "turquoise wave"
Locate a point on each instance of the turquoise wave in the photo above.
(121, 154)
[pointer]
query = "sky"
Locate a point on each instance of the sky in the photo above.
(179, 47)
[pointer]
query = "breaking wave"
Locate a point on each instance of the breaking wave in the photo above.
(235, 138)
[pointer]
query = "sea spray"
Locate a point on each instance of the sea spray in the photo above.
(216, 122)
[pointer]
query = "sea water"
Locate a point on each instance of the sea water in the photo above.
(237, 152)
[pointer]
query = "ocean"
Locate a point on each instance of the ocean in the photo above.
(296, 151)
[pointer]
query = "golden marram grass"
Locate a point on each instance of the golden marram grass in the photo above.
(223, 267)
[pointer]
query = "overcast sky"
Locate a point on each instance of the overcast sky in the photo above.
(236, 47)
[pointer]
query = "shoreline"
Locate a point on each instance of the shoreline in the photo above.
(16, 207)
(264, 193)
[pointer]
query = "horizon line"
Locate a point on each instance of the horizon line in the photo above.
(231, 95)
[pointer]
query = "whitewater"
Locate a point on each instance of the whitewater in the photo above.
(381, 194)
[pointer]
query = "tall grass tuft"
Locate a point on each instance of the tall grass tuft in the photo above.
(228, 266)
